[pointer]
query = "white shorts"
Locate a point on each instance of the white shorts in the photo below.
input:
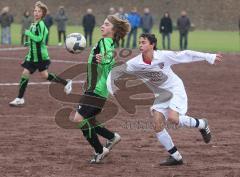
(178, 102)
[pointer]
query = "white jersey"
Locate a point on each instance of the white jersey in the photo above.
(159, 75)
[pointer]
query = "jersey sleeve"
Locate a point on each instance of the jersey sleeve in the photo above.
(187, 56)
(116, 72)
(37, 37)
(106, 50)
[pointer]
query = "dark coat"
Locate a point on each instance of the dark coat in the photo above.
(48, 20)
(165, 25)
(183, 24)
(6, 20)
(147, 21)
(61, 20)
(88, 22)
(26, 23)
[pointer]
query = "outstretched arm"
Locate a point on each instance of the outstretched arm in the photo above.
(189, 56)
(39, 36)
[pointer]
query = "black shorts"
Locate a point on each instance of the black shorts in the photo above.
(90, 105)
(33, 66)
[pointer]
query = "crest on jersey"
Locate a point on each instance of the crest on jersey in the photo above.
(161, 65)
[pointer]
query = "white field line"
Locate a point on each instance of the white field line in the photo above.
(38, 83)
(52, 60)
(13, 48)
(25, 116)
(62, 47)
(23, 48)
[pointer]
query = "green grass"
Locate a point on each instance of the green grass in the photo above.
(222, 41)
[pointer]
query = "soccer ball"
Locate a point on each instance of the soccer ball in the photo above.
(75, 43)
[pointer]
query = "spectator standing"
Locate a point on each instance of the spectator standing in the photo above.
(165, 28)
(6, 20)
(111, 11)
(26, 23)
(61, 20)
(134, 19)
(88, 25)
(183, 25)
(121, 14)
(147, 21)
(48, 20)
(239, 25)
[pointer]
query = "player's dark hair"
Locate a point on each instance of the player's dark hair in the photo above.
(120, 27)
(151, 38)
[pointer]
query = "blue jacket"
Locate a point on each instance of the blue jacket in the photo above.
(134, 19)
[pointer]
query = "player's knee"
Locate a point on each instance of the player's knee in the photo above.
(173, 119)
(44, 75)
(77, 118)
(25, 73)
(159, 121)
(158, 127)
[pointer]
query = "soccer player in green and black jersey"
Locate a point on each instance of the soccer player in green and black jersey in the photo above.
(37, 57)
(100, 63)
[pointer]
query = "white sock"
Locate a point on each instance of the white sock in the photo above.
(186, 121)
(176, 155)
(166, 140)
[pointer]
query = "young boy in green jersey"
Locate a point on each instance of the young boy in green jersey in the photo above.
(37, 57)
(94, 98)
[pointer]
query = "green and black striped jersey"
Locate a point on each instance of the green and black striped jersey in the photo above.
(37, 42)
(97, 73)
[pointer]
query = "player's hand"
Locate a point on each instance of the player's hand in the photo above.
(27, 32)
(26, 44)
(99, 58)
(218, 59)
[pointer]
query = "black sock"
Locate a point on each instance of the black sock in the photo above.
(104, 132)
(101, 130)
(173, 150)
(54, 78)
(197, 122)
(22, 86)
(92, 138)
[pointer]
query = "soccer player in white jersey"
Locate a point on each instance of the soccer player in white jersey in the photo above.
(154, 68)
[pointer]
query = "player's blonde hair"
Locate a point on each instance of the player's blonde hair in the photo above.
(120, 27)
(42, 6)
